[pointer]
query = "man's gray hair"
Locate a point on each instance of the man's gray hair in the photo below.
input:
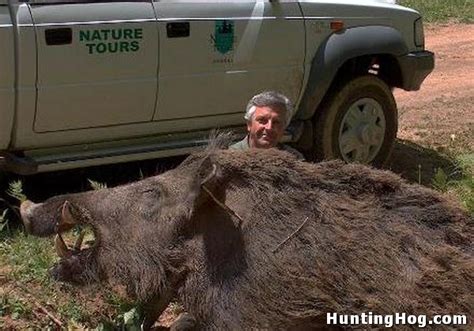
(271, 99)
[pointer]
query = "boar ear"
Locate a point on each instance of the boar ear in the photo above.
(211, 176)
(209, 186)
(206, 177)
(180, 202)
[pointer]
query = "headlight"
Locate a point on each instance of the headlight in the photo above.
(419, 33)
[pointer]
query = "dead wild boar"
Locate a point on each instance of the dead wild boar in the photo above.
(260, 240)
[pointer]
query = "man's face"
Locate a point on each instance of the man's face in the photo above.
(266, 127)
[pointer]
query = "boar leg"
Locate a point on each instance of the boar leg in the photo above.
(155, 307)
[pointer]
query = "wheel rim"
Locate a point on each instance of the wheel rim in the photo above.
(362, 131)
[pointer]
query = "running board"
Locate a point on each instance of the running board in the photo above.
(78, 156)
(118, 154)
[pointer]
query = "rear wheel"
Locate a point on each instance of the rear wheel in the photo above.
(357, 122)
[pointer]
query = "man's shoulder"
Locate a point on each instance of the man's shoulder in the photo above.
(240, 145)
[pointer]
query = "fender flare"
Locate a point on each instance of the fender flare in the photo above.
(337, 50)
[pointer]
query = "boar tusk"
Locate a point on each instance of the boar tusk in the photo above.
(78, 243)
(67, 220)
(61, 248)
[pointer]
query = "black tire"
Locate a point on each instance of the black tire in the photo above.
(356, 114)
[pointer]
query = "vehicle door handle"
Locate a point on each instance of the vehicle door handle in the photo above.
(177, 29)
(59, 36)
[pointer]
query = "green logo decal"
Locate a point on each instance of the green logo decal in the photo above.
(224, 36)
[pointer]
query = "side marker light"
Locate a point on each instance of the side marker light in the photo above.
(337, 25)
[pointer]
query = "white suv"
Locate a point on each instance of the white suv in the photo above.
(88, 82)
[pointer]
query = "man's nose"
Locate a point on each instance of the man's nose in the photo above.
(269, 125)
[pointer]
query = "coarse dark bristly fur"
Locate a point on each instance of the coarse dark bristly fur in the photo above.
(369, 242)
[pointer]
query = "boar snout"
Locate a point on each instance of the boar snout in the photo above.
(26, 209)
(48, 218)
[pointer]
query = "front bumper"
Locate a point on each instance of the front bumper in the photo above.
(415, 67)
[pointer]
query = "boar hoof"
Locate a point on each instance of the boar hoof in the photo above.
(184, 322)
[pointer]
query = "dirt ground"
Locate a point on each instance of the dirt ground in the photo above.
(445, 103)
(440, 117)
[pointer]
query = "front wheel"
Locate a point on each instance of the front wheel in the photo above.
(357, 122)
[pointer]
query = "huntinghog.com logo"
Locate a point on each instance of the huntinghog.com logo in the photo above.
(392, 320)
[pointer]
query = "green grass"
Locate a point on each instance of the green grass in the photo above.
(460, 182)
(441, 11)
(28, 260)
(464, 187)
(30, 257)
(14, 307)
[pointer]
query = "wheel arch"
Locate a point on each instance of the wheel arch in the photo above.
(356, 51)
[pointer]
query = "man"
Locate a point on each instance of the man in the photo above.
(267, 114)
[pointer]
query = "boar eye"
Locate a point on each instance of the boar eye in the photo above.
(152, 191)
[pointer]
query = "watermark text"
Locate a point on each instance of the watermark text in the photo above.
(392, 320)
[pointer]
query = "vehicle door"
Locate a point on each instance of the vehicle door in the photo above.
(97, 63)
(216, 54)
(7, 76)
